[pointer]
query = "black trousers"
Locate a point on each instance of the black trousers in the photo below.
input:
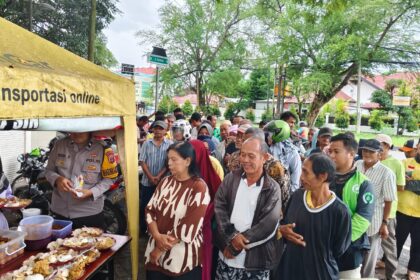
(194, 274)
(97, 220)
(409, 225)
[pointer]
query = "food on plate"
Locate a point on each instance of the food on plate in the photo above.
(104, 243)
(55, 244)
(77, 270)
(61, 274)
(15, 202)
(92, 255)
(79, 243)
(87, 232)
(4, 240)
(42, 267)
(35, 277)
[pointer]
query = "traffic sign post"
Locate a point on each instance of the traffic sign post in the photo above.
(159, 58)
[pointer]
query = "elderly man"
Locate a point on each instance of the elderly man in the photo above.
(80, 171)
(389, 245)
(248, 211)
(385, 192)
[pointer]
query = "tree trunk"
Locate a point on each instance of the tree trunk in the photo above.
(314, 111)
(199, 90)
(92, 31)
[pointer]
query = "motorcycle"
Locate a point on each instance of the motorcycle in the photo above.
(31, 182)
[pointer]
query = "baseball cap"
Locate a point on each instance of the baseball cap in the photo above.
(383, 138)
(409, 145)
(372, 145)
(162, 124)
(325, 131)
(244, 127)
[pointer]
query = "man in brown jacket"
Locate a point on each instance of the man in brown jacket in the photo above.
(248, 211)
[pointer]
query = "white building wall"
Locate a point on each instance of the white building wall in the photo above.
(366, 91)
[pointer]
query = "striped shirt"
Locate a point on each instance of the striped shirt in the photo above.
(384, 188)
(154, 157)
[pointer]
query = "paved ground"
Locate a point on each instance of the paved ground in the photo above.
(123, 266)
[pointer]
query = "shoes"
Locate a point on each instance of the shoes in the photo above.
(380, 265)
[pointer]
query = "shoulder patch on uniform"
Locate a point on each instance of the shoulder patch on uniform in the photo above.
(368, 198)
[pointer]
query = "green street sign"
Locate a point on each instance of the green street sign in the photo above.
(159, 60)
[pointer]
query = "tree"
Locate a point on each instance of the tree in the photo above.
(167, 104)
(250, 115)
(65, 22)
(408, 117)
(260, 84)
(201, 37)
(187, 108)
(335, 37)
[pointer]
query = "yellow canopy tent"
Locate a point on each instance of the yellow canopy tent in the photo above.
(41, 81)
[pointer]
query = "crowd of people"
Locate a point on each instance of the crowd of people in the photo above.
(276, 201)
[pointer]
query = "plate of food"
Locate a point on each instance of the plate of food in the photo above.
(62, 257)
(87, 232)
(79, 243)
(16, 203)
(104, 243)
(77, 270)
(42, 267)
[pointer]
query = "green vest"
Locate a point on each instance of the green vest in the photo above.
(351, 190)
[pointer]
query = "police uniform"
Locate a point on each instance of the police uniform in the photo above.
(96, 163)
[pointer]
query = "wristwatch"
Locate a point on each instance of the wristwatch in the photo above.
(385, 222)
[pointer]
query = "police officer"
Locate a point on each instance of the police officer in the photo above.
(80, 170)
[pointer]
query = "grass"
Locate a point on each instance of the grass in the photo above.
(397, 140)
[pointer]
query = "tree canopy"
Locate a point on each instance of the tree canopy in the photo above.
(66, 23)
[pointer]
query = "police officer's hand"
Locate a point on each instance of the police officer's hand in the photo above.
(83, 194)
(63, 184)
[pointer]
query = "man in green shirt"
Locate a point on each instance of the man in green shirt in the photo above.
(389, 245)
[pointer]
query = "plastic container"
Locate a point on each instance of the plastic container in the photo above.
(37, 227)
(65, 231)
(34, 245)
(29, 212)
(13, 248)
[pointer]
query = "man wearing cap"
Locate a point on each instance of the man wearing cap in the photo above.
(409, 148)
(152, 161)
(384, 191)
(232, 160)
(408, 214)
(323, 140)
(389, 245)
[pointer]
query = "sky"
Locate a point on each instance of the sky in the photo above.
(135, 15)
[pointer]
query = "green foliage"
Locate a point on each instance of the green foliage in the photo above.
(187, 108)
(320, 120)
(66, 23)
(259, 84)
(383, 98)
(342, 120)
(103, 56)
(375, 121)
(330, 39)
(211, 110)
(167, 104)
(230, 111)
(267, 115)
(250, 115)
(201, 38)
(225, 82)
